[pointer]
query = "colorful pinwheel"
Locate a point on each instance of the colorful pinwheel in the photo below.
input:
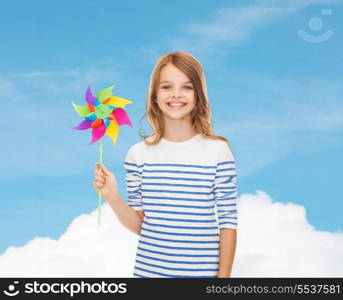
(103, 114)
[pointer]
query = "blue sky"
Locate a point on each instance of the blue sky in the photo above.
(277, 97)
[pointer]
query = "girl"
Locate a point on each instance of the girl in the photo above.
(181, 180)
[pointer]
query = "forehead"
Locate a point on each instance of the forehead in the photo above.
(172, 74)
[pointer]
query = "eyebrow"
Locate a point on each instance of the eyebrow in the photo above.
(169, 81)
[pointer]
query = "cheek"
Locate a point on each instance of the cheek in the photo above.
(162, 95)
(190, 96)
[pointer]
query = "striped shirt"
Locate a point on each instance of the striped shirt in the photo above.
(188, 192)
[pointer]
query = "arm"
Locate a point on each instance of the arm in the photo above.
(225, 190)
(130, 213)
(127, 216)
(228, 240)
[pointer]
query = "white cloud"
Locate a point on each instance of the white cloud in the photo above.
(70, 73)
(69, 82)
(9, 94)
(230, 26)
(225, 28)
(84, 250)
(297, 104)
(291, 114)
(274, 240)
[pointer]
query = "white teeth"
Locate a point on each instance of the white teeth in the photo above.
(176, 104)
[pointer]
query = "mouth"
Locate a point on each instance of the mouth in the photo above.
(176, 105)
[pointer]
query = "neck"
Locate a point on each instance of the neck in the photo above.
(178, 130)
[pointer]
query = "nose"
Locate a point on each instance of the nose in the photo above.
(176, 93)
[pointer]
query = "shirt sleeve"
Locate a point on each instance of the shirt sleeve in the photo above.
(225, 189)
(133, 180)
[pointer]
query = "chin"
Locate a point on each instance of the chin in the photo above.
(177, 117)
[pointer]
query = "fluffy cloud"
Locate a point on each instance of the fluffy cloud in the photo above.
(274, 240)
(227, 27)
(84, 250)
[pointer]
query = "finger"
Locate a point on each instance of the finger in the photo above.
(98, 189)
(98, 185)
(95, 186)
(101, 168)
(97, 181)
(100, 179)
(98, 167)
(99, 173)
(104, 168)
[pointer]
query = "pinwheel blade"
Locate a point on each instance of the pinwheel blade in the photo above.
(97, 123)
(81, 110)
(113, 130)
(97, 102)
(105, 93)
(97, 133)
(85, 124)
(107, 122)
(91, 107)
(91, 117)
(89, 96)
(121, 117)
(118, 101)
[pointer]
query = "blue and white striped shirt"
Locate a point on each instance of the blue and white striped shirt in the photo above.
(188, 192)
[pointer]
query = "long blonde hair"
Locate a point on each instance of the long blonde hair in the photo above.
(201, 114)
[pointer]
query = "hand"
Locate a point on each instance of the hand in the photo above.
(104, 180)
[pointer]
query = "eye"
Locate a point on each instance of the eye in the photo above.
(187, 87)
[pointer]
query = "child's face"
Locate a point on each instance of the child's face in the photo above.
(175, 93)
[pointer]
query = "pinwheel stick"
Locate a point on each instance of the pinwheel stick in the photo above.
(100, 190)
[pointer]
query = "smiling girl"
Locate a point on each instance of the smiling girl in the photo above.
(181, 180)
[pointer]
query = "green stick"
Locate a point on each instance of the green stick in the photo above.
(99, 192)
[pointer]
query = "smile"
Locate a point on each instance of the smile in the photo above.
(176, 105)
